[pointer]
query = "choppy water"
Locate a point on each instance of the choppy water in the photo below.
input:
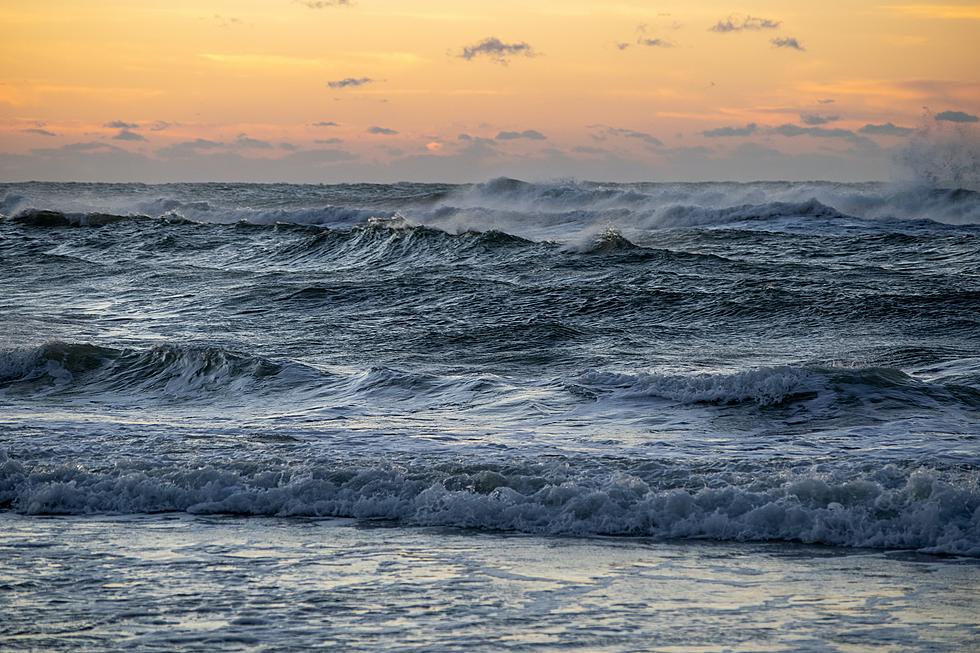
(738, 362)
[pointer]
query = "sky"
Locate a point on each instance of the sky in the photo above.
(464, 90)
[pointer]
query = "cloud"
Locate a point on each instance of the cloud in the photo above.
(326, 123)
(725, 132)
(817, 119)
(126, 135)
(39, 132)
(323, 4)
(188, 148)
(742, 23)
(496, 50)
(826, 101)
(792, 131)
(78, 148)
(654, 43)
(350, 82)
(228, 21)
(244, 140)
(529, 134)
(328, 141)
(622, 46)
(796, 130)
(650, 42)
(886, 129)
(384, 131)
(585, 149)
(121, 124)
(289, 147)
(160, 125)
(605, 131)
(788, 42)
(956, 116)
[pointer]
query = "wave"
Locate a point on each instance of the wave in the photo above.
(203, 374)
(558, 211)
(384, 241)
(712, 200)
(178, 372)
(880, 507)
(189, 373)
(774, 386)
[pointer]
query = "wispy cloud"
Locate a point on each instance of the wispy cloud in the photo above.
(228, 21)
(814, 119)
(160, 125)
(383, 131)
(127, 135)
(529, 134)
(188, 148)
(604, 131)
(727, 132)
(496, 50)
(323, 4)
(885, 129)
(788, 42)
(246, 141)
(326, 123)
(654, 43)
(650, 41)
(87, 147)
(121, 124)
(792, 131)
(39, 131)
(956, 116)
(736, 23)
(350, 82)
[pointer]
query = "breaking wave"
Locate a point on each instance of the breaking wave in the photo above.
(772, 386)
(882, 507)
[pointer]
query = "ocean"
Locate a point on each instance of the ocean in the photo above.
(496, 416)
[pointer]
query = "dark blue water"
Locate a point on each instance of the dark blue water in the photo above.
(787, 362)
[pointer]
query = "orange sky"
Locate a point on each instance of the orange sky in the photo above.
(206, 89)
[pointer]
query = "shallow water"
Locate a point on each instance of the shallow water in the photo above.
(773, 362)
(205, 583)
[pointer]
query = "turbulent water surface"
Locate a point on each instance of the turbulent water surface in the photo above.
(772, 362)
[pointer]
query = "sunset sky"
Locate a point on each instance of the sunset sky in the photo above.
(439, 90)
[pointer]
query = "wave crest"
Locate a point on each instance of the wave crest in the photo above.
(887, 507)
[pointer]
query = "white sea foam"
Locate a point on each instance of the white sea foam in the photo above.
(885, 508)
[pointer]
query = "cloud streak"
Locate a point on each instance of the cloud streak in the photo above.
(956, 116)
(814, 119)
(350, 82)
(788, 42)
(39, 131)
(323, 4)
(382, 131)
(885, 129)
(728, 132)
(121, 124)
(496, 50)
(246, 141)
(744, 23)
(528, 134)
(127, 135)
(606, 131)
